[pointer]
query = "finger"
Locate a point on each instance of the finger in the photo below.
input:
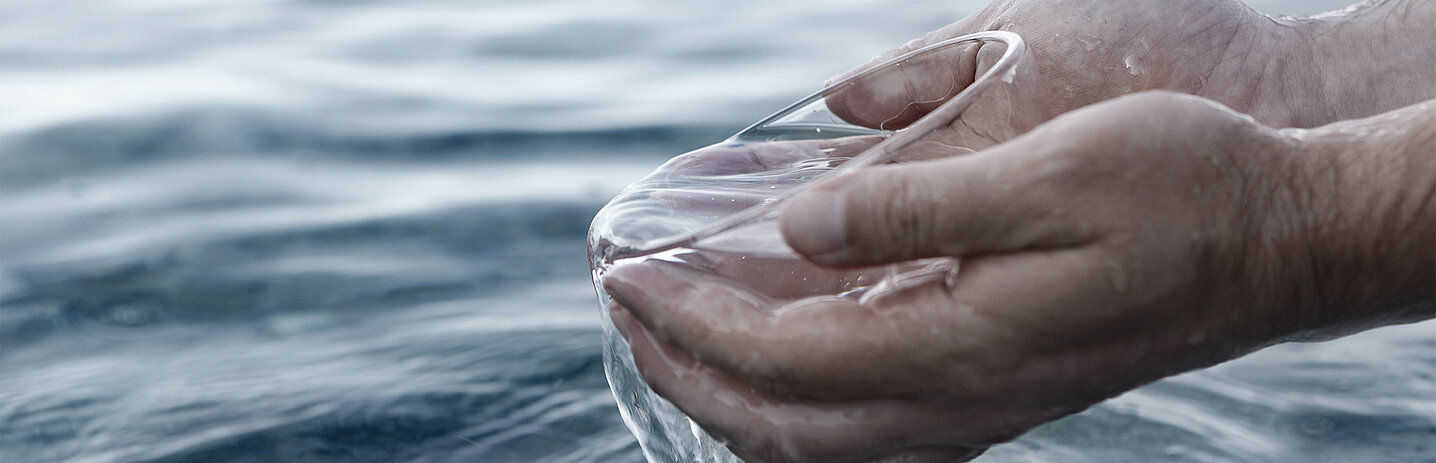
(960, 64)
(990, 202)
(894, 96)
(999, 111)
(782, 349)
(961, 27)
(997, 380)
(760, 427)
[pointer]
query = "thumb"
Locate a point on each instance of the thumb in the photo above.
(892, 97)
(966, 205)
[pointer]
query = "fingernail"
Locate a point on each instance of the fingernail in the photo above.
(618, 283)
(613, 282)
(814, 223)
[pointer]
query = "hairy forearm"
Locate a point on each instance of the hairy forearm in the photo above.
(1371, 204)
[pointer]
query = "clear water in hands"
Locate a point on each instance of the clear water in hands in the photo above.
(691, 193)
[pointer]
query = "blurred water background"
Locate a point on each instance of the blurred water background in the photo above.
(285, 230)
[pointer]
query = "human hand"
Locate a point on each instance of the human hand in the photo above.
(1117, 245)
(1285, 72)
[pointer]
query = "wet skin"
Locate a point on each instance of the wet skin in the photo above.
(1285, 72)
(1120, 243)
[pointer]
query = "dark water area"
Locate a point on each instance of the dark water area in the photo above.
(315, 231)
(344, 231)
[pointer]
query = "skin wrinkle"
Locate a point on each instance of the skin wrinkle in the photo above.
(1238, 187)
(1305, 53)
(1255, 234)
(1375, 47)
(1256, 91)
(925, 204)
(1222, 56)
(756, 160)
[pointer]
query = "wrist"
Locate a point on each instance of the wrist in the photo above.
(1365, 195)
(1269, 68)
(1372, 57)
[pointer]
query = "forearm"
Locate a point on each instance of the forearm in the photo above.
(1373, 57)
(1370, 196)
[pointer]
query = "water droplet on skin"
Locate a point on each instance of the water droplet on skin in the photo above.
(1010, 76)
(1134, 65)
(1090, 43)
(820, 130)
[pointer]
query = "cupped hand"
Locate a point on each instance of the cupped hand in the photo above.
(1111, 247)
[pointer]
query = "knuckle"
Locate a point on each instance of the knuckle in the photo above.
(907, 223)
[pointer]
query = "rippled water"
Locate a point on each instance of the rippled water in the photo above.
(270, 230)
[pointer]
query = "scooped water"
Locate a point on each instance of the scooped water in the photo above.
(690, 193)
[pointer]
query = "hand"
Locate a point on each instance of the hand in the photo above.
(1284, 72)
(1114, 246)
